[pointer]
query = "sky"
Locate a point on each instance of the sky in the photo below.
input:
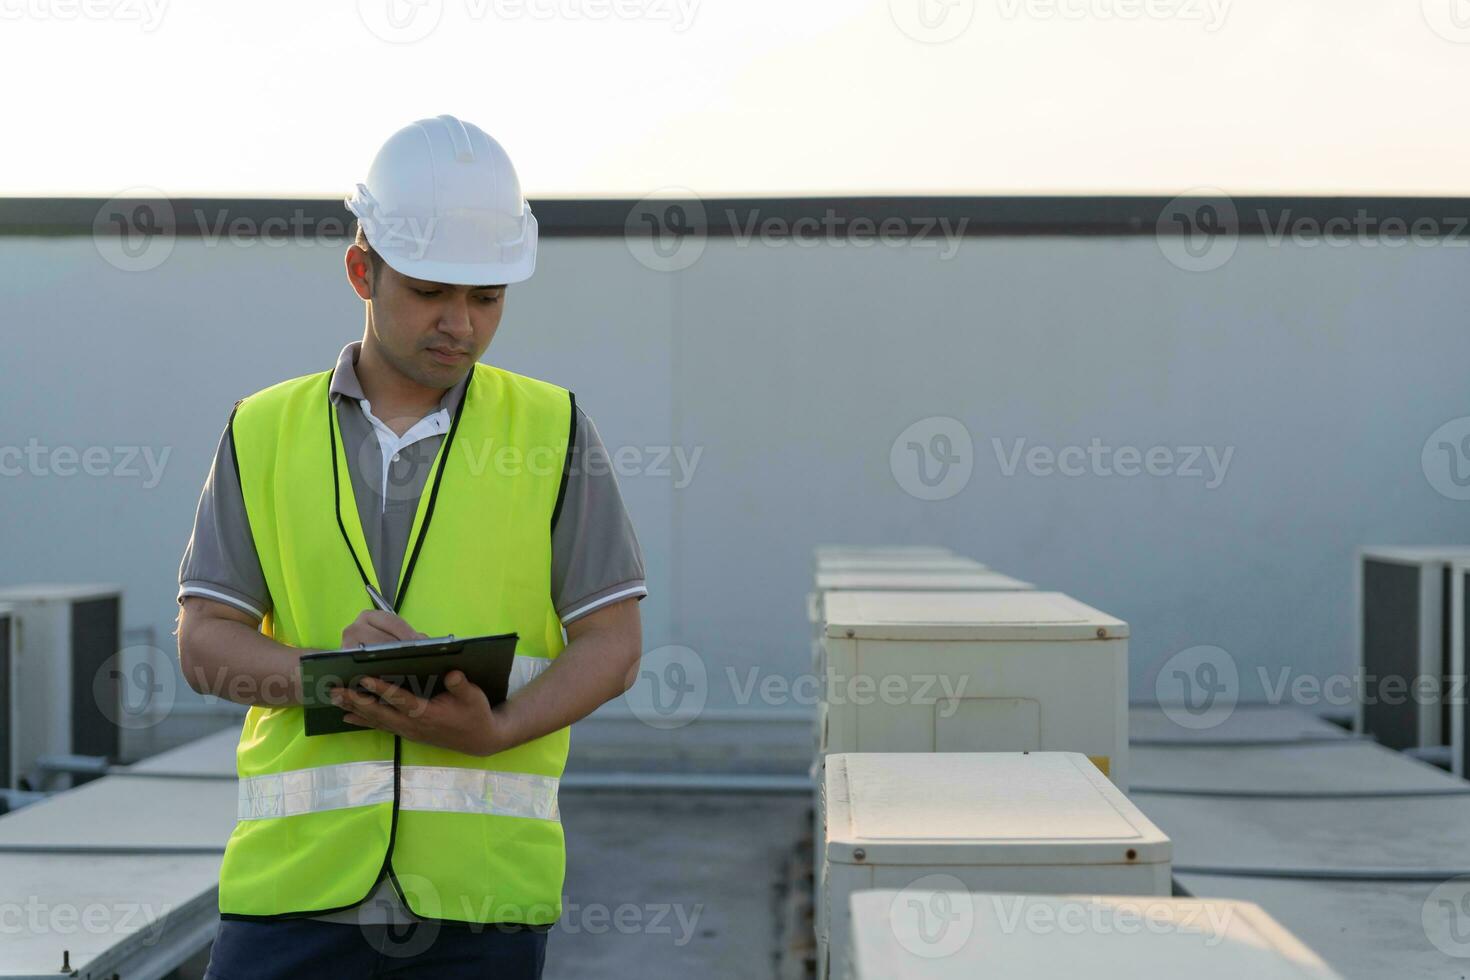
(628, 98)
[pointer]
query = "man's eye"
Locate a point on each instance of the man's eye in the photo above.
(427, 292)
(490, 299)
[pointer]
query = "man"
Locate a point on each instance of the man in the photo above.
(409, 492)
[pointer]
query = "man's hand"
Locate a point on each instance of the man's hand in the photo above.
(375, 626)
(457, 718)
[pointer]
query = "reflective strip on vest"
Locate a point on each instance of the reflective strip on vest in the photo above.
(452, 789)
(447, 789)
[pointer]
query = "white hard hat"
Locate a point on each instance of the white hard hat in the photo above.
(443, 203)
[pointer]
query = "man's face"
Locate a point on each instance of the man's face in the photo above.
(432, 333)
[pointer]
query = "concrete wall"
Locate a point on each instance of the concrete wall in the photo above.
(792, 371)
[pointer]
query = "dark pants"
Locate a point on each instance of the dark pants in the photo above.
(291, 948)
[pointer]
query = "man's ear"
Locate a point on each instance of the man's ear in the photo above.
(359, 271)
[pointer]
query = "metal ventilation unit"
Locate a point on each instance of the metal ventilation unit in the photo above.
(1459, 727)
(1403, 632)
(64, 697)
(7, 700)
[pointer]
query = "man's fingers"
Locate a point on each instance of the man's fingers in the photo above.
(396, 627)
(366, 634)
(400, 698)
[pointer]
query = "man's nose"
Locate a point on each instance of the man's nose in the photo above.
(455, 320)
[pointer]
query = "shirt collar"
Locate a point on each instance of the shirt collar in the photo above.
(345, 383)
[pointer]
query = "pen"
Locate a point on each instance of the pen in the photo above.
(378, 599)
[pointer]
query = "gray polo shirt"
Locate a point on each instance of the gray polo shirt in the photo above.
(595, 557)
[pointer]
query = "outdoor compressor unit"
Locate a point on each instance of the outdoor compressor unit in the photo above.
(974, 672)
(64, 699)
(939, 935)
(917, 578)
(1403, 631)
(1039, 822)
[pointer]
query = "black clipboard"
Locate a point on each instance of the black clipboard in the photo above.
(418, 665)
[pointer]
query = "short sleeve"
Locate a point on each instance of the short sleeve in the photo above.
(220, 561)
(595, 557)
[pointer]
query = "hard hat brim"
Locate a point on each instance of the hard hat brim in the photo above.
(465, 274)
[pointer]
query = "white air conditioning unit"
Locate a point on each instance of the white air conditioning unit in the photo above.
(65, 697)
(975, 672)
(939, 935)
(1040, 822)
(913, 579)
(1402, 624)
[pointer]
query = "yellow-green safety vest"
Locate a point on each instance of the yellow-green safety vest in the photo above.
(465, 838)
